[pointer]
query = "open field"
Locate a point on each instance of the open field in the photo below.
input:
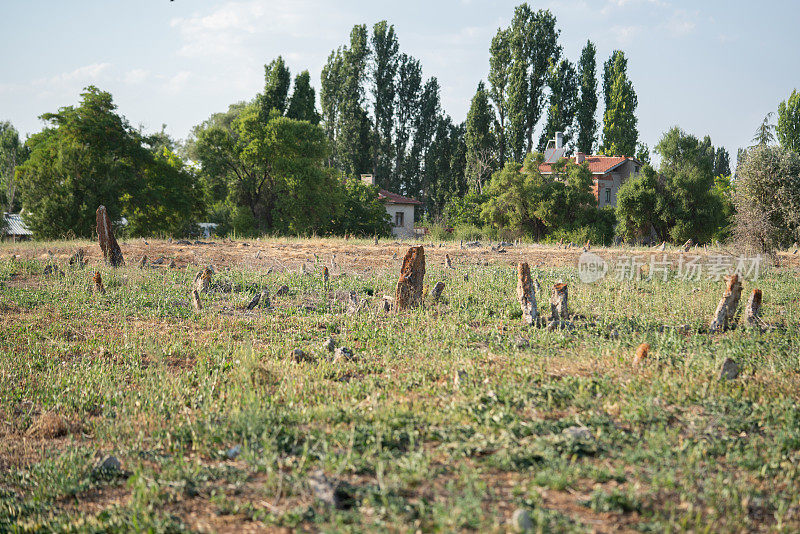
(447, 418)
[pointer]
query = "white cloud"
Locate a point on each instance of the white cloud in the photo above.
(136, 76)
(231, 30)
(681, 23)
(86, 74)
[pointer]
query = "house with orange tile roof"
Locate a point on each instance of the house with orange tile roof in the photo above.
(608, 172)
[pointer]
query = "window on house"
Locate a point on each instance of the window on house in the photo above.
(398, 219)
(608, 196)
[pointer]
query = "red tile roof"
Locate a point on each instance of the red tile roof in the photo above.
(597, 164)
(394, 198)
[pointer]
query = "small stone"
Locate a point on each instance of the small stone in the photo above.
(331, 492)
(729, 370)
(329, 345)
(233, 452)
(521, 520)
(110, 464)
(283, 290)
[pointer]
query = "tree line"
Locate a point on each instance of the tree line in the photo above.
(277, 163)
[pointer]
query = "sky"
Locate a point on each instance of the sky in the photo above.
(712, 67)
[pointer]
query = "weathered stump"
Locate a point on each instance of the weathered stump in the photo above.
(143, 262)
(254, 301)
(526, 294)
(196, 300)
(447, 261)
(202, 280)
(559, 310)
(108, 244)
(752, 312)
(98, 283)
(412, 276)
(325, 275)
(641, 353)
(436, 293)
(726, 309)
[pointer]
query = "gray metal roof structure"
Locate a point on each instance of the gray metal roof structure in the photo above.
(14, 225)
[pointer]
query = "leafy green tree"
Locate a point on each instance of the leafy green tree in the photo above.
(479, 139)
(271, 166)
(409, 93)
(722, 162)
(767, 198)
(499, 75)
(765, 133)
(643, 153)
(420, 170)
(385, 46)
(563, 103)
(788, 128)
(342, 96)
(446, 165)
(361, 213)
(692, 209)
(88, 156)
(587, 105)
(276, 87)
(520, 198)
(12, 154)
(620, 134)
(640, 207)
(303, 105)
(534, 47)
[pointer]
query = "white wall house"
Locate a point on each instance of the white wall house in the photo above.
(401, 209)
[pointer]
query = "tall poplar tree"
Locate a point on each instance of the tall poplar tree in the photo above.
(409, 91)
(499, 73)
(479, 140)
(276, 87)
(384, 71)
(587, 105)
(303, 104)
(563, 103)
(620, 133)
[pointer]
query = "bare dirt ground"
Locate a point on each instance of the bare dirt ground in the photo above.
(352, 255)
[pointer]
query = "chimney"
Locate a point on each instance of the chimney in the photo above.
(559, 139)
(580, 157)
(368, 179)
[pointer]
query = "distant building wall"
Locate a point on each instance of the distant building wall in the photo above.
(406, 211)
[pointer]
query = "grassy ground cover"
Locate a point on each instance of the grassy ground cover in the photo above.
(447, 418)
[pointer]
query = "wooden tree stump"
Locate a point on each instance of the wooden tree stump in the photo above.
(202, 280)
(98, 283)
(447, 261)
(108, 244)
(641, 353)
(752, 312)
(559, 310)
(727, 306)
(196, 300)
(412, 276)
(526, 294)
(436, 293)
